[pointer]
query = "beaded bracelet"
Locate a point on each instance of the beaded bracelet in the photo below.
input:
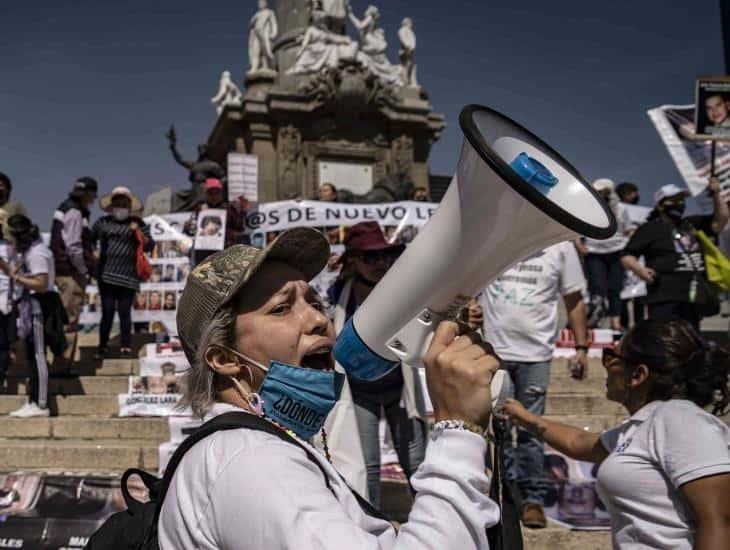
(464, 425)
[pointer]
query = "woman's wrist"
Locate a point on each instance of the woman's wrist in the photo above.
(456, 424)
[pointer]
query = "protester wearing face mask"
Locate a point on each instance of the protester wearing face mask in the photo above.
(675, 273)
(258, 342)
(73, 253)
(117, 272)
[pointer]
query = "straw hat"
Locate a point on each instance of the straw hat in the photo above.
(105, 202)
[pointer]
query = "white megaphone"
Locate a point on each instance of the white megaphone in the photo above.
(512, 196)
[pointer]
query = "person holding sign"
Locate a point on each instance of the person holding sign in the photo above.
(677, 284)
(214, 200)
(259, 343)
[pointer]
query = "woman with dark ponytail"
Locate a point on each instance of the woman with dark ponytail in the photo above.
(664, 474)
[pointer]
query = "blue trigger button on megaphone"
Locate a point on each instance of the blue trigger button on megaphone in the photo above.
(533, 171)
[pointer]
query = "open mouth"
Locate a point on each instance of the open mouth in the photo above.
(319, 359)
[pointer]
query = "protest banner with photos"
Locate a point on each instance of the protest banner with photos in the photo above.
(691, 156)
(712, 108)
(157, 390)
(210, 233)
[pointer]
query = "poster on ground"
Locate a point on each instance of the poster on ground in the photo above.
(54, 512)
(157, 390)
(571, 499)
(691, 156)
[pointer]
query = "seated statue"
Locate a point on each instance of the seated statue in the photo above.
(373, 46)
(321, 48)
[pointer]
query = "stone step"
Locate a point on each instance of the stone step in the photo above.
(107, 367)
(86, 385)
(581, 404)
(77, 405)
(70, 427)
(555, 537)
(78, 454)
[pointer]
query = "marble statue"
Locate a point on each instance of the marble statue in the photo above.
(321, 48)
(407, 39)
(373, 46)
(263, 31)
(198, 172)
(336, 13)
(228, 94)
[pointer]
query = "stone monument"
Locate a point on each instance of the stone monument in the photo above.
(198, 171)
(228, 94)
(262, 32)
(319, 103)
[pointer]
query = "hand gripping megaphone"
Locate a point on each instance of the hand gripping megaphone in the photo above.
(512, 196)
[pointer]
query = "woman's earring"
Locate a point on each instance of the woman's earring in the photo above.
(256, 403)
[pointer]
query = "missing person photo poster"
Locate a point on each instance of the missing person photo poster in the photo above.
(676, 127)
(571, 498)
(210, 233)
(712, 108)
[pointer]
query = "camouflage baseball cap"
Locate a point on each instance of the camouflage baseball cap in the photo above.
(218, 278)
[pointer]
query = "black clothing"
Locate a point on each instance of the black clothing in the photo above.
(118, 258)
(119, 299)
(674, 253)
(64, 267)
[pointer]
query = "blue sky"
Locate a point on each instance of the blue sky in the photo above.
(89, 87)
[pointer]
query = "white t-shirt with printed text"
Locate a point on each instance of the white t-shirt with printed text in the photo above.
(664, 445)
(521, 306)
(38, 260)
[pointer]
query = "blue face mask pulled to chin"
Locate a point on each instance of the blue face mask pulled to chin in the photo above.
(297, 398)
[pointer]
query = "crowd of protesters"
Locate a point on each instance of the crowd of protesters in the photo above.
(662, 359)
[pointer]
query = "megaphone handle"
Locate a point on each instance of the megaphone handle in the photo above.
(411, 344)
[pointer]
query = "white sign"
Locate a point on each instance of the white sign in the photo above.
(210, 233)
(243, 177)
(357, 178)
(676, 127)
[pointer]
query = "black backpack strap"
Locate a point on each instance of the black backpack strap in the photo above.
(227, 421)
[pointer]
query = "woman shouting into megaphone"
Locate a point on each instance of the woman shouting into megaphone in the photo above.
(259, 343)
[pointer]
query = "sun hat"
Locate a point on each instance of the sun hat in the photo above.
(669, 190)
(105, 202)
(218, 278)
(603, 184)
(365, 236)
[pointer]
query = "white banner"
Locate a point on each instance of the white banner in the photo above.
(243, 177)
(676, 127)
(393, 216)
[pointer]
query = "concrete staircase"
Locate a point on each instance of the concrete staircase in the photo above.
(85, 435)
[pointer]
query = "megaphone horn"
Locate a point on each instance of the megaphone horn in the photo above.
(512, 196)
